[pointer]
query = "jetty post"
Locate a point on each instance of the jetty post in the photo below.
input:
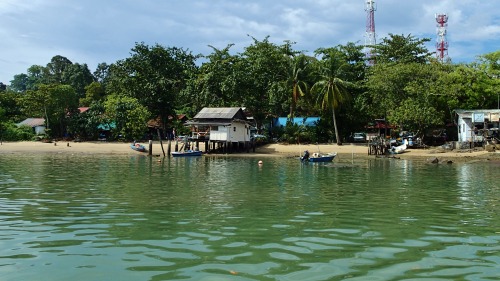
(161, 142)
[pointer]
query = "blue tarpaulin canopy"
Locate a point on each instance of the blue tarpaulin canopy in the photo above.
(306, 121)
(107, 127)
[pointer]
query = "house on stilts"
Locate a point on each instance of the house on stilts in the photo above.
(222, 129)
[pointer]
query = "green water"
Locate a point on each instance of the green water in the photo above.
(65, 217)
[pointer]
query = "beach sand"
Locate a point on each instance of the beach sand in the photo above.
(346, 151)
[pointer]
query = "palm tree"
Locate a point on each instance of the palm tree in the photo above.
(299, 86)
(331, 90)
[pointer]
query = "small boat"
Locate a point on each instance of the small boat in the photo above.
(318, 157)
(138, 147)
(400, 148)
(187, 153)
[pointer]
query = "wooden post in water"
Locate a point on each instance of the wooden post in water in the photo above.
(169, 149)
(150, 150)
(161, 142)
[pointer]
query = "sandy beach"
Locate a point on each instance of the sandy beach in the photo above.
(346, 151)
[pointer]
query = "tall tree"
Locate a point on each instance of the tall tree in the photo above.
(19, 83)
(128, 114)
(101, 73)
(77, 76)
(353, 114)
(37, 75)
(93, 92)
(53, 102)
(262, 69)
(155, 76)
(9, 101)
(297, 79)
(491, 66)
(56, 68)
(402, 49)
(216, 84)
(331, 90)
(414, 96)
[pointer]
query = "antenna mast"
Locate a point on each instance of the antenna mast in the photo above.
(370, 40)
(442, 43)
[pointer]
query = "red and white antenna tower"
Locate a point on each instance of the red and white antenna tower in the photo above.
(370, 40)
(442, 43)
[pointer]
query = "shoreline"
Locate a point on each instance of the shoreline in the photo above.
(352, 151)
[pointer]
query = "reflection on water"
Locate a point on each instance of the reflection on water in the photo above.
(216, 218)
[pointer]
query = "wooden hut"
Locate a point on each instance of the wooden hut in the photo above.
(224, 129)
(38, 125)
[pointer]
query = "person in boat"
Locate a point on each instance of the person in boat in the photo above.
(136, 144)
(305, 157)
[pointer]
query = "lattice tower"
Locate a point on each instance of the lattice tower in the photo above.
(370, 39)
(442, 43)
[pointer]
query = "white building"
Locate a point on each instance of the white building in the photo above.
(222, 126)
(477, 124)
(38, 125)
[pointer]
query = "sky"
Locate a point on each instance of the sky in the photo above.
(96, 31)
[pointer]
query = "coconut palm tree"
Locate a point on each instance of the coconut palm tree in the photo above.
(296, 74)
(331, 90)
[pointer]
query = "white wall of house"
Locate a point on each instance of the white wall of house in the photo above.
(220, 134)
(469, 120)
(465, 128)
(239, 132)
(39, 130)
(236, 132)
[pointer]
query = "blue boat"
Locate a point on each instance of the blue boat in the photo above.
(138, 147)
(187, 153)
(317, 157)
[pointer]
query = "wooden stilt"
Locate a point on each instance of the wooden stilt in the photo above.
(161, 142)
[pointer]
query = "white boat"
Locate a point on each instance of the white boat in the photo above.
(400, 148)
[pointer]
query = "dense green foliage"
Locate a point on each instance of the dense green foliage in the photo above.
(405, 86)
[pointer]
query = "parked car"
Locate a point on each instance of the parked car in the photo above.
(359, 137)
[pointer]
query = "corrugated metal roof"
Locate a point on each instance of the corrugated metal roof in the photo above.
(33, 122)
(83, 109)
(208, 123)
(217, 113)
(488, 111)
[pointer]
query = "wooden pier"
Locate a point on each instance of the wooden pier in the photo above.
(378, 147)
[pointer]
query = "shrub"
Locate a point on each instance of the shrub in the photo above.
(11, 132)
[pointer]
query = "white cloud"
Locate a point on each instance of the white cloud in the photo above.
(95, 31)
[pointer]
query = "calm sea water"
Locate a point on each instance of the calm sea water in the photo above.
(65, 217)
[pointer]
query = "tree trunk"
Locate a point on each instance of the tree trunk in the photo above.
(339, 142)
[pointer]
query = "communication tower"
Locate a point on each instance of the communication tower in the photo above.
(370, 40)
(442, 43)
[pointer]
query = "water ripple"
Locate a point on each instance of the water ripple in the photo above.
(88, 218)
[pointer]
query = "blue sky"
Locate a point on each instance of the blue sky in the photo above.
(94, 31)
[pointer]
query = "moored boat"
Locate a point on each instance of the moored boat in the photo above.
(400, 148)
(187, 153)
(138, 147)
(318, 157)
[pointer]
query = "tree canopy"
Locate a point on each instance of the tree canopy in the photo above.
(406, 86)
